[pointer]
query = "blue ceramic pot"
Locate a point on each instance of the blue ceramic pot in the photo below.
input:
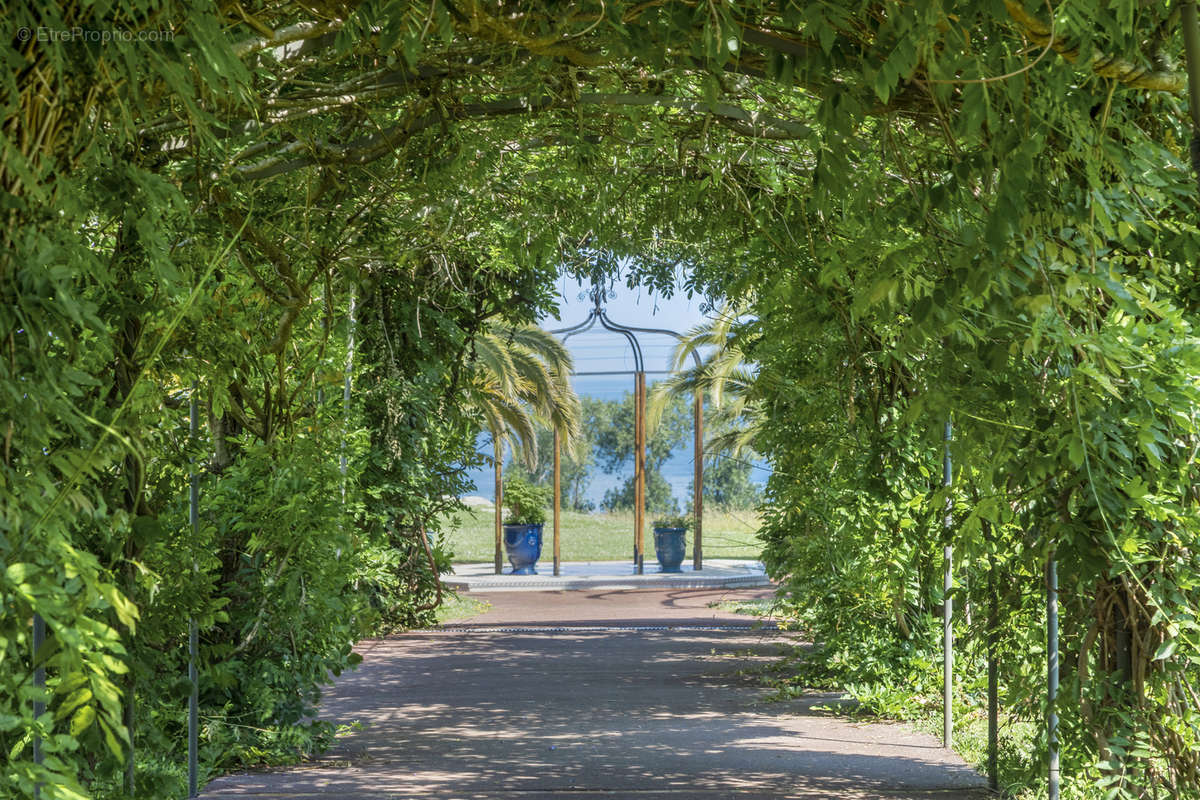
(523, 544)
(670, 545)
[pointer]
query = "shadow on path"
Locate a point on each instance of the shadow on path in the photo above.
(639, 714)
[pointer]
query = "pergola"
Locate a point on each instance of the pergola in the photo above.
(639, 372)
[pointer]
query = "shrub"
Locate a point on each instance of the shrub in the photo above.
(525, 502)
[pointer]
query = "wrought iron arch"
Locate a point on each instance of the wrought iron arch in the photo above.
(598, 315)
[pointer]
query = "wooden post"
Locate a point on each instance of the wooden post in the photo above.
(639, 466)
(499, 503)
(698, 485)
(557, 502)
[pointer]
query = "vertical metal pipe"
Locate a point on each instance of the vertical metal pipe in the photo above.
(39, 683)
(993, 712)
(1052, 673)
(639, 414)
(499, 443)
(130, 724)
(346, 389)
(947, 604)
(557, 501)
(342, 463)
(1191, 49)
(698, 483)
(193, 724)
(993, 681)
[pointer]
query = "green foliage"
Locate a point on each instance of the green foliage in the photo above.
(612, 425)
(728, 482)
(681, 521)
(660, 499)
(575, 468)
(526, 503)
(520, 382)
(921, 217)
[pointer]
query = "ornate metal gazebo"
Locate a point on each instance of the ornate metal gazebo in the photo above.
(639, 372)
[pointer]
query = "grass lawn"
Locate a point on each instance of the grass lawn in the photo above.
(456, 607)
(602, 537)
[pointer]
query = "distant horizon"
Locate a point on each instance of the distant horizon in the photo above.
(599, 350)
(677, 470)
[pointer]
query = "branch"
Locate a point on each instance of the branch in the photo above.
(300, 32)
(756, 123)
(369, 148)
(1105, 66)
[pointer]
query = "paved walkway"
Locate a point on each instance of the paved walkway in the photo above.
(718, 573)
(640, 695)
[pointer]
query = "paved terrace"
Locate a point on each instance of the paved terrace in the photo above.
(718, 573)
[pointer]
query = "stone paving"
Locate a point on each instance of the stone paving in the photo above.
(647, 695)
(724, 573)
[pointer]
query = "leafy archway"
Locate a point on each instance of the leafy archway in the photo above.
(971, 207)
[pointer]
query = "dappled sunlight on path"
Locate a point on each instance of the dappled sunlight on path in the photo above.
(642, 714)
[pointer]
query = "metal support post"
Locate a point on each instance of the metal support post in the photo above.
(993, 681)
(130, 725)
(1190, 24)
(1052, 673)
(39, 683)
(193, 723)
(346, 392)
(948, 605)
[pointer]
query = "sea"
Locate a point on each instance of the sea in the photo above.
(678, 470)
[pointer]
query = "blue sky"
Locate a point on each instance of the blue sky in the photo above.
(599, 350)
(678, 312)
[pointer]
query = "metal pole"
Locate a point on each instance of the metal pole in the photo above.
(193, 724)
(1191, 49)
(39, 684)
(1052, 673)
(993, 681)
(947, 605)
(130, 722)
(346, 391)
(342, 463)
(698, 483)
(557, 503)
(499, 501)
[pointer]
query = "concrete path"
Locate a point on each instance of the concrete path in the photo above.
(718, 573)
(640, 695)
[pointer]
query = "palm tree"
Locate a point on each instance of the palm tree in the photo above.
(723, 374)
(522, 379)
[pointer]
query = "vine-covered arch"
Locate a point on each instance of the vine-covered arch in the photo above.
(968, 206)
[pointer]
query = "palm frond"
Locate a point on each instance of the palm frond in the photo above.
(522, 379)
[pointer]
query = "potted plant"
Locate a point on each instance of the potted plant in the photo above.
(526, 506)
(670, 541)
